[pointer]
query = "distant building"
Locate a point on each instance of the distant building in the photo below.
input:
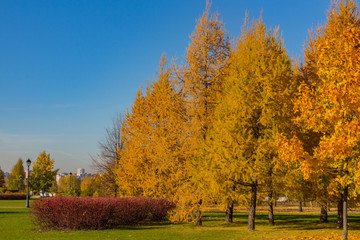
(80, 173)
(60, 175)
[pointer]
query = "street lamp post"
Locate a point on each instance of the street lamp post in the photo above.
(70, 180)
(28, 163)
(43, 190)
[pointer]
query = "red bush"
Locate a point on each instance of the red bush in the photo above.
(13, 196)
(159, 208)
(96, 213)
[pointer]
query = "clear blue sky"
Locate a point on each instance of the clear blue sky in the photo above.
(67, 68)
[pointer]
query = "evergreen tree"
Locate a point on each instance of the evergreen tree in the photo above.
(2, 178)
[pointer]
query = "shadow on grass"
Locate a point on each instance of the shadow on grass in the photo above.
(14, 211)
(145, 225)
(285, 221)
(8, 212)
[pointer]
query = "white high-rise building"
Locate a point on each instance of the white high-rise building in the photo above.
(80, 172)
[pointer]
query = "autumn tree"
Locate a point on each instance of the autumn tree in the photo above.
(329, 101)
(152, 161)
(69, 185)
(17, 176)
(96, 185)
(88, 186)
(255, 107)
(201, 80)
(42, 175)
(106, 161)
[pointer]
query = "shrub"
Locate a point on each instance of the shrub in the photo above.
(13, 196)
(159, 208)
(3, 190)
(96, 212)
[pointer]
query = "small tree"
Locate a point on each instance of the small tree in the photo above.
(88, 186)
(42, 175)
(16, 178)
(65, 185)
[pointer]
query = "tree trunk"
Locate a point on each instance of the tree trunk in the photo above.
(270, 199)
(229, 212)
(300, 206)
(275, 200)
(340, 208)
(345, 225)
(198, 221)
(323, 214)
(115, 190)
(270, 209)
(252, 210)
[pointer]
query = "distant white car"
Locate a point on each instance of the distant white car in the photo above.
(46, 194)
(283, 199)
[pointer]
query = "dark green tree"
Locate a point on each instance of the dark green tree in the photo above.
(2, 179)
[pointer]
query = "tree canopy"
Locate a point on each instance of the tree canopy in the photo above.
(43, 175)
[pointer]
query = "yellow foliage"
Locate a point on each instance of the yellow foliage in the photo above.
(64, 183)
(152, 160)
(256, 106)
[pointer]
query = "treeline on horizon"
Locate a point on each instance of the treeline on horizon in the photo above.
(234, 120)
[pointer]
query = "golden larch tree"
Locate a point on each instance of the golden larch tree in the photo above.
(152, 162)
(201, 81)
(255, 107)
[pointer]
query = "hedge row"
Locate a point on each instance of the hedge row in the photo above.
(77, 213)
(13, 196)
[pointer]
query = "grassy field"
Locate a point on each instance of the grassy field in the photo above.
(15, 223)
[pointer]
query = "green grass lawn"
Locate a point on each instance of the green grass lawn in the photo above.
(15, 223)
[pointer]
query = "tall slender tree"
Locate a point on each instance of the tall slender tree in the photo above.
(201, 79)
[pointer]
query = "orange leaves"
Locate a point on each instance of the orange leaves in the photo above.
(328, 101)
